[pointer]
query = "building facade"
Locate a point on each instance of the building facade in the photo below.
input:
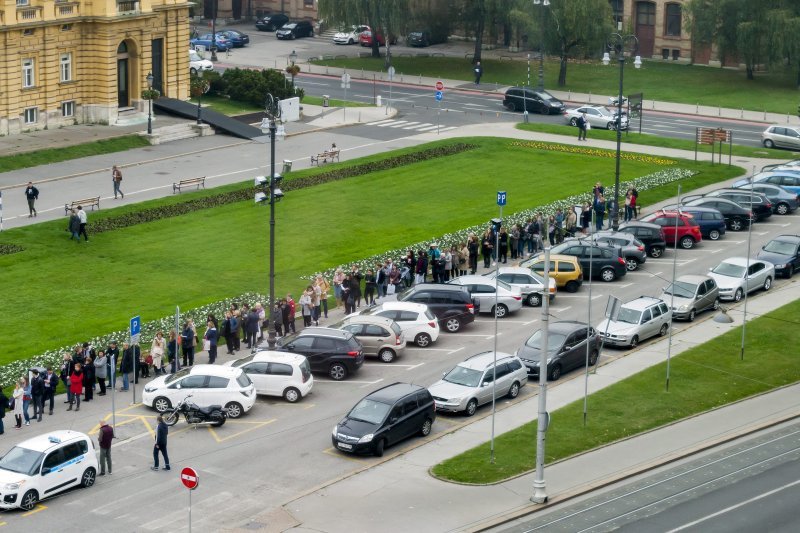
(67, 62)
(249, 9)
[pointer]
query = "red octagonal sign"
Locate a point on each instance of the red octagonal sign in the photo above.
(189, 478)
(439, 85)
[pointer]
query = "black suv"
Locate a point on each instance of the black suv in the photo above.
(451, 304)
(651, 235)
(566, 348)
(605, 262)
(271, 22)
(757, 202)
(737, 217)
(293, 30)
(333, 351)
(384, 417)
(425, 38)
(784, 252)
(525, 99)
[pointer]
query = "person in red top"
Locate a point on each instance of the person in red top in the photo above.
(290, 304)
(106, 434)
(76, 386)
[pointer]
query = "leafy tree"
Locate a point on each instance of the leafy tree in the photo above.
(576, 25)
(383, 16)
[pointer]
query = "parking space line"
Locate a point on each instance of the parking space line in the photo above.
(456, 350)
(386, 365)
(415, 366)
(287, 404)
(623, 286)
(502, 321)
(565, 309)
(427, 349)
(347, 381)
(333, 452)
(368, 384)
(256, 425)
(530, 322)
(644, 271)
(39, 507)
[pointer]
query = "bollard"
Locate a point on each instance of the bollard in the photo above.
(401, 77)
(362, 72)
(569, 95)
(359, 116)
(719, 111)
(742, 115)
(697, 108)
(787, 119)
(420, 79)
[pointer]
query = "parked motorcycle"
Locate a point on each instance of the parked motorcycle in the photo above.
(214, 415)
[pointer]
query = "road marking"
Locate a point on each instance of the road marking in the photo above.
(386, 365)
(456, 350)
(347, 381)
(499, 320)
(427, 349)
(333, 452)
(369, 384)
(256, 425)
(530, 322)
(39, 507)
(415, 366)
(385, 121)
(623, 286)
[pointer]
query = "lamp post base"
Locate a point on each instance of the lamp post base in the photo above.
(539, 492)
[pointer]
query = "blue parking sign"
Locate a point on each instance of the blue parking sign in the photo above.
(439, 95)
(136, 325)
(501, 197)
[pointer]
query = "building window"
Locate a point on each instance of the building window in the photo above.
(66, 67)
(673, 20)
(645, 14)
(308, 3)
(68, 109)
(27, 32)
(66, 27)
(22, 2)
(31, 115)
(617, 9)
(28, 79)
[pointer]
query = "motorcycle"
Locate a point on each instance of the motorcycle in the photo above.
(214, 415)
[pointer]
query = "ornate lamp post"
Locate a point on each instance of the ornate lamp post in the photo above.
(622, 45)
(293, 68)
(149, 79)
(544, 4)
(201, 86)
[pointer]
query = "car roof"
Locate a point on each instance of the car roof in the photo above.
(368, 319)
(438, 287)
(51, 439)
(403, 306)
(787, 238)
(714, 199)
(566, 326)
(639, 223)
(327, 332)
(692, 278)
(742, 261)
(272, 356)
(642, 302)
(481, 360)
(514, 270)
(214, 370)
(556, 257)
(393, 392)
(700, 208)
(733, 190)
(471, 278)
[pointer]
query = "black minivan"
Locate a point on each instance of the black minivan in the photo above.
(385, 417)
(332, 351)
(532, 101)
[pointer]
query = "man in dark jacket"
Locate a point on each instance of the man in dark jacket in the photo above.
(129, 355)
(253, 327)
(112, 354)
(106, 434)
(3, 404)
(31, 194)
(37, 395)
(50, 381)
(161, 444)
(211, 336)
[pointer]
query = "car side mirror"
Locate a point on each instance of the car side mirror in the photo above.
(177, 385)
(45, 470)
(485, 384)
(393, 420)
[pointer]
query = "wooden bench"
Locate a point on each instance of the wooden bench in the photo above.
(326, 155)
(176, 187)
(93, 201)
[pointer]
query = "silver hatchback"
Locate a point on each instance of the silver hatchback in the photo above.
(380, 336)
(482, 290)
(690, 295)
(636, 321)
(779, 136)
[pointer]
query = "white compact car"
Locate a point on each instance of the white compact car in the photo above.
(207, 384)
(277, 374)
(509, 299)
(44, 466)
(349, 36)
(737, 275)
(418, 323)
(197, 63)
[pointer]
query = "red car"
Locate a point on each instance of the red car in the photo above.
(366, 39)
(678, 225)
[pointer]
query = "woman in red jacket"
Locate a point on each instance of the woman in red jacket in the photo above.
(76, 386)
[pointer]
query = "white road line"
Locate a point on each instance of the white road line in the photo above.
(426, 349)
(640, 271)
(380, 122)
(530, 322)
(456, 350)
(565, 309)
(415, 366)
(395, 124)
(387, 365)
(369, 384)
(428, 128)
(414, 125)
(317, 380)
(624, 285)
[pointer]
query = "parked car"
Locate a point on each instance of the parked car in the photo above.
(274, 373)
(736, 217)
(425, 38)
(533, 101)
(295, 30)
(530, 285)
(636, 321)
(677, 225)
(385, 417)
(736, 275)
(271, 22)
(350, 35)
(566, 349)
(633, 249)
(781, 136)
(756, 202)
(784, 252)
(43, 466)
(452, 304)
(197, 63)
(418, 323)
(601, 261)
(238, 39)
(334, 352)
(690, 295)
(488, 291)
(786, 177)
(365, 39)
(783, 200)
(469, 384)
(712, 223)
(651, 235)
(379, 336)
(207, 384)
(565, 269)
(600, 117)
(223, 44)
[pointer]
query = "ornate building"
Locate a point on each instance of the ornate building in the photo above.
(66, 62)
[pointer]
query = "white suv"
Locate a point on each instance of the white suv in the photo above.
(418, 323)
(197, 63)
(636, 321)
(45, 465)
(277, 374)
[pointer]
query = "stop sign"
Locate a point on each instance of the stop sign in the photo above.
(189, 478)
(439, 85)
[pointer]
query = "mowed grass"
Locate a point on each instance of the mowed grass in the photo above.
(56, 155)
(58, 291)
(704, 377)
(663, 81)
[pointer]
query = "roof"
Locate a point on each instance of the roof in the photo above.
(514, 270)
(692, 278)
(481, 360)
(787, 238)
(642, 302)
(330, 332)
(271, 356)
(403, 306)
(42, 443)
(556, 257)
(471, 278)
(566, 326)
(633, 223)
(214, 370)
(367, 319)
(437, 287)
(390, 393)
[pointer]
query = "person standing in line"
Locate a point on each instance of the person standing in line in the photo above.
(355, 285)
(161, 444)
(487, 247)
(502, 240)
(253, 327)
(26, 400)
(101, 371)
(116, 178)
(237, 342)
(126, 366)
(31, 194)
(82, 227)
(292, 313)
(50, 384)
(582, 122)
(572, 222)
(381, 282)
(88, 379)
(306, 309)
(586, 218)
(324, 292)
(76, 387)
(187, 341)
(112, 354)
(3, 405)
(37, 395)
(16, 398)
(157, 349)
(172, 351)
(338, 278)
(105, 436)
(228, 331)
(478, 73)
(370, 285)
(64, 373)
(599, 212)
(74, 225)
(211, 338)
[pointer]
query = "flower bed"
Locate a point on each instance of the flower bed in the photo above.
(8, 249)
(570, 149)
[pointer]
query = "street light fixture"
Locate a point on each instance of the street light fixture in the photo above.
(202, 88)
(622, 45)
(149, 79)
(544, 4)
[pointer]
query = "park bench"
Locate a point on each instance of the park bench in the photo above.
(176, 187)
(93, 201)
(325, 156)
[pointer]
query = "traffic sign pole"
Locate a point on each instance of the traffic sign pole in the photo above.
(391, 78)
(191, 481)
(136, 331)
(439, 94)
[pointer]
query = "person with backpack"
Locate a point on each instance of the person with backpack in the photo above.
(116, 179)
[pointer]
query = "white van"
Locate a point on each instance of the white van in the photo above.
(197, 63)
(44, 466)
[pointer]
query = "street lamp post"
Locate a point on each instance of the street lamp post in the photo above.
(544, 4)
(149, 79)
(293, 59)
(214, 31)
(203, 87)
(622, 45)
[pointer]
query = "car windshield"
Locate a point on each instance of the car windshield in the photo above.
(463, 376)
(369, 411)
(21, 461)
(546, 96)
(681, 289)
(504, 285)
(289, 26)
(180, 374)
(242, 361)
(728, 269)
(629, 316)
(780, 247)
(554, 341)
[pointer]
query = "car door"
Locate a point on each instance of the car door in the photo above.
(279, 375)
(484, 293)
(257, 372)
(393, 426)
(376, 336)
(412, 417)
(190, 385)
(756, 274)
(658, 319)
(324, 348)
(358, 332)
(504, 379)
(215, 391)
(54, 476)
(305, 346)
(646, 324)
(484, 393)
(526, 283)
(791, 139)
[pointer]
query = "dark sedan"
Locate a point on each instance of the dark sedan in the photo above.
(736, 217)
(566, 348)
(526, 99)
(783, 200)
(784, 252)
(759, 204)
(237, 38)
(271, 22)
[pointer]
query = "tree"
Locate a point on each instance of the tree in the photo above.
(574, 25)
(382, 16)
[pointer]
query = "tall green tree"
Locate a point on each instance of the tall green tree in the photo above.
(383, 16)
(575, 26)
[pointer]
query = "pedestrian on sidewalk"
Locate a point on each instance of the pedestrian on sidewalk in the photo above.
(210, 342)
(16, 402)
(599, 212)
(31, 194)
(82, 227)
(3, 405)
(478, 73)
(161, 444)
(76, 387)
(88, 379)
(172, 351)
(112, 354)
(157, 349)
(101, 371)
(321, 284)
(74, 225)
(105, 436)
(50, 384)
(116, 178)
(188, 341)
(583, 124)
(126, 366)
(37, 395)
(26, 400)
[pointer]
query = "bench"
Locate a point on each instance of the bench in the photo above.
(93, 201)
(327, 154)
(176, 187)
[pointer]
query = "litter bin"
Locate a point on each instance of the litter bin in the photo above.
(378, 101)
(326, 100)
(287, 166)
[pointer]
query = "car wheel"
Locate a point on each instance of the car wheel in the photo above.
(171, 418)
(88, 478)
(573, 122)
(593, 356)
(193, 71)
(767, 283)
(692, 315)
(687, 243)
(737, 297)
(234, 409)
(422, 340)
(292, 395)
(737, 224)
(768, 143)
(611, 125)
(386, 355)
(425, 430)
(511, 106)
(337, 371)
(29, 500)
(161, 404)
(534, 299)
(544, 110)
(500, 311)
(635, 341)
(631, 264)
(782, 209)
(555, 373)
(656, 252)
(452, 324)
(714, 235)
(572, 286)
(664, 329)
(379, 446)
(472, 406)
(716, 304)
(607, 274)
(513, 392)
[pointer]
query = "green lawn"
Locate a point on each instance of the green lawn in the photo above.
(702, 378)
(64, 291)
(667, 82)
(56, 155)
(317, 100)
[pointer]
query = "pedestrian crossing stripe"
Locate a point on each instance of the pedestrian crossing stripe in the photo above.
(408, 125)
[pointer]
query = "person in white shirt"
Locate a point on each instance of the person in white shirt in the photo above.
(82, 217)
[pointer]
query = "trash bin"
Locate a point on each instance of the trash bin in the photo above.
(378, 101)
(287, 166)
(326, 100)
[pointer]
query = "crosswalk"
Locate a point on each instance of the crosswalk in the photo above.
(409, 125)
